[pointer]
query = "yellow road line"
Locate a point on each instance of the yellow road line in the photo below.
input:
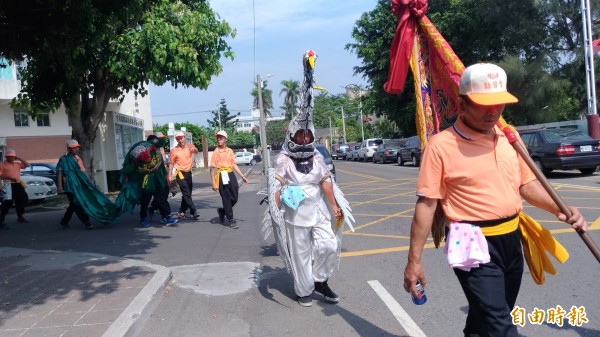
(361, 175)
(593, 227)
(380, 220)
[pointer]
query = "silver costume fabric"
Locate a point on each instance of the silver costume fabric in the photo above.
(313, 253)
(311, 241)
(313, 204)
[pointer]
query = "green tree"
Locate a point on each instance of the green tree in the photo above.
(83, 53)
(222, 118)
(291, 89)
(276, 132)
(267, 97)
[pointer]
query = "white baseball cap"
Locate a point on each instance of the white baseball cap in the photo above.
(179, 134)
(10, 153)
(72, 143)
(221, 133)
(485, 84)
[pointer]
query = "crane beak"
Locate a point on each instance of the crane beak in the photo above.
(311, 61)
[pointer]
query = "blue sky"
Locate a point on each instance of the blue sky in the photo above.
(285, 29)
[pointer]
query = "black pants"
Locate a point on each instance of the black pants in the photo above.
(185, 185)
(159, 202)
(229, 194)
(19, 197)
(492, 288)
(76, 208)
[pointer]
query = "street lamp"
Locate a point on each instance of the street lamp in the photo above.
(262, 123)
(362, 122)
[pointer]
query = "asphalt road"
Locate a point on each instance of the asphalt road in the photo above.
(232, 282)
(369, 279)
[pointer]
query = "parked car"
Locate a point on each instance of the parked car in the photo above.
(328, 158)
(562, 149)
(39, 188)
(339, 151)
(387, 152)
(47, 170)
(410, 152)
(353, 153)
(247, 158)
(367, 148)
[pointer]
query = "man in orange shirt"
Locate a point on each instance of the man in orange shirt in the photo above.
(224, 180)
(181, 162)
(479, 179)
(10, 172)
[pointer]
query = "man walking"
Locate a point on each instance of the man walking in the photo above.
(224, 180)
(181, 162)
(480, 180)
(67, 166)
(10, 173)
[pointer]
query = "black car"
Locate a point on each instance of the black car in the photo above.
(328, 159)
(387, 152)
(47, 170)
(562, 149)
(410, 152)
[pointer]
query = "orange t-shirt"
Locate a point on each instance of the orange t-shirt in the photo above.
(476, 177)
(11, 170)
(222, 158)
(80, 163)
(182, 158)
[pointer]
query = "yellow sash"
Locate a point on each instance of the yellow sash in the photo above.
(218, 175)
(536, 241)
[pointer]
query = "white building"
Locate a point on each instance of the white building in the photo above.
(247, 123)
(44, 139)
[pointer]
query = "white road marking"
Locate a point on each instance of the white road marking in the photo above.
(411, 328)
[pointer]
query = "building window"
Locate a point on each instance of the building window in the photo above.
(43, 119)
(247, 124)
(21, 117)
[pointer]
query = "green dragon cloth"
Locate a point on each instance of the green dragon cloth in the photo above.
(143, 170)
(94, 202)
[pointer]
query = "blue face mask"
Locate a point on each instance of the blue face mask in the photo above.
(292, 196)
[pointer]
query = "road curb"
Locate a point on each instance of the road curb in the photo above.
(132, 319)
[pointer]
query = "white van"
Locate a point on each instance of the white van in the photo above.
(368, 148)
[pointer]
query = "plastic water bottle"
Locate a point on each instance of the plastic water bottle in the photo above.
(421, 298)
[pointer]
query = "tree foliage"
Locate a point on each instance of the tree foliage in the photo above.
(291, 90)
(83, 53)
(267, 97)
(222, 118)
(539, 43)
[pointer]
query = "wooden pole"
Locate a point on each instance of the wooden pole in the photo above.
(513, 140)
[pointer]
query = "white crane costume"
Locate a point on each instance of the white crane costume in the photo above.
(307, 235)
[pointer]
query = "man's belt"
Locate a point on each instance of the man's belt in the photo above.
(536, 241)
(218, 175)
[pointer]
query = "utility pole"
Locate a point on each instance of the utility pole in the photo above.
(263, 129)
(362, 121)
(330, 134)
(592, 115)
(343, 125)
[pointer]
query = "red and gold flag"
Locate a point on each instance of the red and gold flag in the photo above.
(435, 67)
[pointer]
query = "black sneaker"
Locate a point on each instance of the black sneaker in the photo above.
(64, 224)
(323, 289)
(196, 216)
(221, 212)
(233, 224)
(89, 225)
(4, 227)
(304, 301)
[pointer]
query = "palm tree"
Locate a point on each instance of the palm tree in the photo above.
(267, 97)
(291, 89)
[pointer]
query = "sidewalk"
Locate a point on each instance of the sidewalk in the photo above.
(52, 293)
(65, 293)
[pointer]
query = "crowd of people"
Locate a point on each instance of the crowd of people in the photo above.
(146, 180)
